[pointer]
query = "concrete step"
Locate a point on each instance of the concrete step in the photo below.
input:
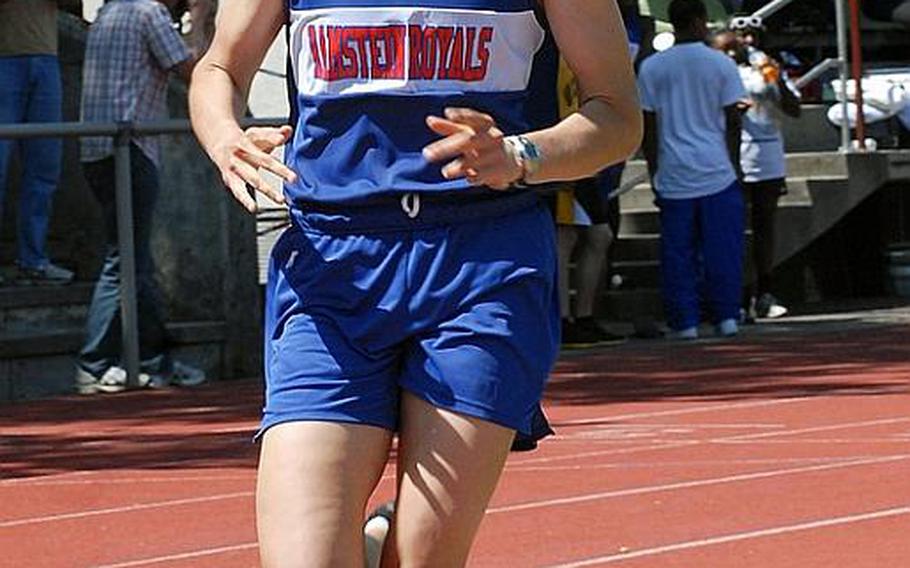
(33, 308)
(632, 304)
(898, 165)
(35, 364)
(798, 193)
(633, 247)
(640, 215)
(638, 273)
(799, 165)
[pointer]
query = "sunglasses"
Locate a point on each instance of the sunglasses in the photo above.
(746, 22)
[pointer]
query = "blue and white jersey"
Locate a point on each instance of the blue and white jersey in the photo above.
(366, 74)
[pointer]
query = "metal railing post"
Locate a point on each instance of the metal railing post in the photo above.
(127, 252)
(842, 62)
(856, 64)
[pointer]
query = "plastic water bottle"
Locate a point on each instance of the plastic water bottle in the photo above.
(768, 69)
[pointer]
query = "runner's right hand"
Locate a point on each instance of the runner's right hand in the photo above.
(240, 157)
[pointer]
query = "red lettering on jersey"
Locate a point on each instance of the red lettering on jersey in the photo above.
(423, 56)
(359, 36)
(349, 68)
(455, 69)
(387, 52)
(317, 53)
(384, 52)
(397, 51)
(335, 34)
(444, 36)
(483, 53)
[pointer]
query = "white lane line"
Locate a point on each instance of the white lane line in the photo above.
(125, 509)
(25, 480)
(818, 441)
(596, 453)
(139, 506)
(688, 425)
(772, 531)
(680, 411)
(826, 428)
(690, 484)
(693, 463)
(126, 481)
(721, 440)
(182, 556)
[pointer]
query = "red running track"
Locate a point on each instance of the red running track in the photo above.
(774, 450)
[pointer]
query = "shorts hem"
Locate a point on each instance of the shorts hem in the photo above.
(472, 409)
(318, 417)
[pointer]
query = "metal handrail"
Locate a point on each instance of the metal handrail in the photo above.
(840, 62)
(122, 133)
(771, 8)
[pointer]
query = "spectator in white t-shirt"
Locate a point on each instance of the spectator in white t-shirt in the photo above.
(771, 96)
(690, 94)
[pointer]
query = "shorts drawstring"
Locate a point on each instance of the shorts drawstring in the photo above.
(410, 204)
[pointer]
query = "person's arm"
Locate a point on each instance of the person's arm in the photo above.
(649, 145)
(218, 92)
(734, 125)
(789, 101)
(606, 129)
(167, 47)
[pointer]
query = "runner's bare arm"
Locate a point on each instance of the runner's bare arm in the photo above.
(218, 93)
(606, 129)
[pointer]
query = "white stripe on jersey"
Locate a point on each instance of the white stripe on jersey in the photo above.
(348, 51)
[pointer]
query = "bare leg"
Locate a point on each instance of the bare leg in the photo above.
(314, 482)
(566, 237)
(591, 263)
(449, 465)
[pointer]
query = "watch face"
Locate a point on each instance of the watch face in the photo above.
(530, 149)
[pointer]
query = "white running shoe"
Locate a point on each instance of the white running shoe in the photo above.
(727, 328)
(767, 306)
(181, 375)
(112, 381)
(688, 333)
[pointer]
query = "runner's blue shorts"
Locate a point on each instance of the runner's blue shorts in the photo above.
(452, 301)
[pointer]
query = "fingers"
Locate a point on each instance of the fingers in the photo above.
(469, 117)
(257, 145)
(478, 165)
(250, 177)
(459, 139)
(241, 159)
(238, 188)
(269, 138)
(473, 147)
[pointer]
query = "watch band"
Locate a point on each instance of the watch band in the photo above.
(526, 154)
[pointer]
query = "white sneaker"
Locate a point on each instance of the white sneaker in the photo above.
(181, 375)
(769, 307)
(375, 531)
(688, 333)
(112, 381)
(727, 328)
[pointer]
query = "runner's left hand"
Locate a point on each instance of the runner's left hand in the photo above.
(477, 146)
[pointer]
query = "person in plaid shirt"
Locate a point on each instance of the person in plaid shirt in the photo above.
(132, 48)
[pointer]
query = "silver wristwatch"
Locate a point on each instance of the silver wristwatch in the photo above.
(527, 154)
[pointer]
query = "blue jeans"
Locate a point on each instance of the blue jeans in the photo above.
(702, 238)
(102, 348)
(30, 91)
